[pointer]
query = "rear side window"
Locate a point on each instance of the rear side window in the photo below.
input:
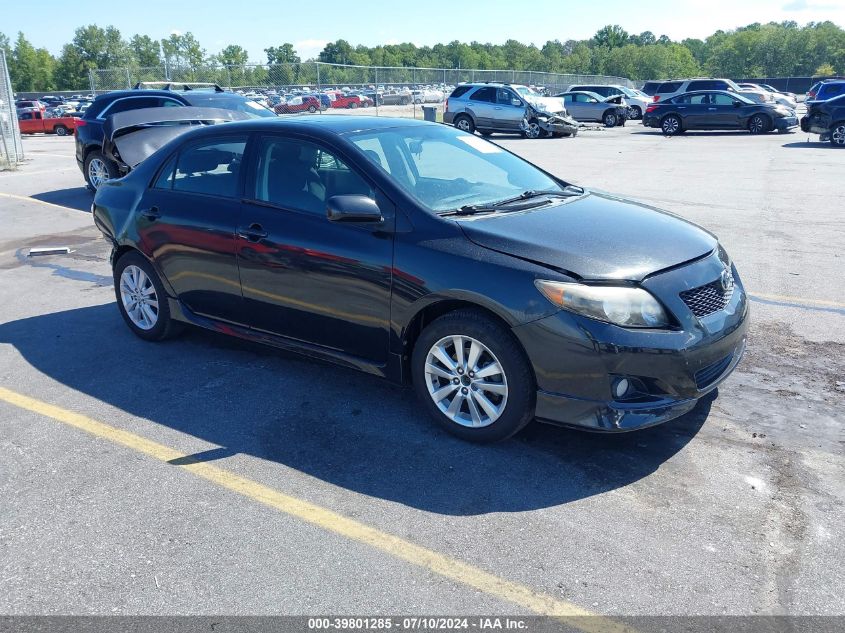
(708, 84)
(669, 86)
(135, 103)
(828, 91)
(210, 167)
(487, 94)
(650, 87)
(459, 92)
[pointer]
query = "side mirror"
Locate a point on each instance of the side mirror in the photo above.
(516, 102)
(353, 208)
(737, 104)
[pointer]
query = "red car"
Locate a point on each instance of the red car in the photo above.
(298, 104)
(340, 100)
(33, 121)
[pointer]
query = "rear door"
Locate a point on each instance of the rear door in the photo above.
(693, 109)
(481, 104)
(187, 220)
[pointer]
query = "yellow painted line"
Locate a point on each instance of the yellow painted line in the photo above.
(14, 196)
(791, 299)
(399, 548)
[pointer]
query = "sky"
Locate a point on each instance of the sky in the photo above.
(259, 24)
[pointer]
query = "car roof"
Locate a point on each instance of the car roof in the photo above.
(319, 124)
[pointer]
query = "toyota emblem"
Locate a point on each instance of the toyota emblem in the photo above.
(726, 279)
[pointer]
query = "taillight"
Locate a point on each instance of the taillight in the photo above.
(81, 123)
(651, 108)
(657, 97)
(446, 107)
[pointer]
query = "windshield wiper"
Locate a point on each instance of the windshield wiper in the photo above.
(490, 207)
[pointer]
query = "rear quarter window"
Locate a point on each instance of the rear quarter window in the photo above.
(669, 86)
(831, 90)
(459, 92)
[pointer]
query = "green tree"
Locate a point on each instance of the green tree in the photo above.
(611, 36)
(284, 54)
(23, 68)
(232, 55)
(825, 70)
(339, 52)
(183, 51)
(145, 50)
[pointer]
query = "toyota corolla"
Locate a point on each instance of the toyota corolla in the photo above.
(426, 255)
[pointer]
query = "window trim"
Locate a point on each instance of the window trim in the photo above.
(250, 165)
(216, 138)
(104, 112)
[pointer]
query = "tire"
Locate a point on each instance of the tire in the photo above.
(61, 130)
(759, 124)
(403, 101)
(837, 134)
(509, 390)
(312, 109)
(353, 105)
(671, 125)
(534, 130)
(98, 168)
(464, 122)
(610, 119)
(134, 278)
(485, 132)
(636, 113)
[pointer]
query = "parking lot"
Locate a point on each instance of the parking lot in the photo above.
(208, 476)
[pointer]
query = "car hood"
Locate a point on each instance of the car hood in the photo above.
(552, 105)
(595, 236)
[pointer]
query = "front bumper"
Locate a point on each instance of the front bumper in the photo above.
(576, 360)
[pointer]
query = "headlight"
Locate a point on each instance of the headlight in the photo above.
(621, 305)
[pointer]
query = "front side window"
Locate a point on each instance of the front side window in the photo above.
(210, 167)
(722, 99)
(445, 169)
(301, 175)
(504, 97)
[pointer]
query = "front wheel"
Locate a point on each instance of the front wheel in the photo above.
(312, 109)
(635, 112)
(534, 130)
(141, 298)
(610, 119)
(473, 377)
(759, 124)
(837, 135)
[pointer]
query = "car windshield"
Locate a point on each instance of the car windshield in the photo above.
(445, 169)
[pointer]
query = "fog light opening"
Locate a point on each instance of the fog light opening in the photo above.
(621, 386)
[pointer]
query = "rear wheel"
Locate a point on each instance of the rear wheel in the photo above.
(61, 130)
(98, 169)
(463, 122)
(485, 132)
(759, 124)
(635, 113)
(837, 135)
(312, 109)
(141, 298)
(473, 377)
(353, 105)
(671, 125)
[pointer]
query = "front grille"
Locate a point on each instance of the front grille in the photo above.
(705, 377)
(709, 298)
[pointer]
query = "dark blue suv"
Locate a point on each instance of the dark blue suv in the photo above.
(830, 89)
(96, 167)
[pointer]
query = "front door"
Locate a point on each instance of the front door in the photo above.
(725, 111)
(303, 276)
(507, 115)
(186, 224)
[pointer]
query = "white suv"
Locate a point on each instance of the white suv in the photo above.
(674, 87)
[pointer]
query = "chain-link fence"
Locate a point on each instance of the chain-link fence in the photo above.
(11, 147)
(320, 75)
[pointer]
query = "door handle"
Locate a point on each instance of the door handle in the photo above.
(711, 109)
(152, 213)
(254, 232)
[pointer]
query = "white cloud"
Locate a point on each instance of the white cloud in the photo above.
(176, 32)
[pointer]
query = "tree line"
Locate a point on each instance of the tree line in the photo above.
(758, 50)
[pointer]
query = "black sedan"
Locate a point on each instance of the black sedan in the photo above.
(424, 254)
(718, 110)
(827, 119)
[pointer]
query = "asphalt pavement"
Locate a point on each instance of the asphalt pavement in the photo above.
(208, 476)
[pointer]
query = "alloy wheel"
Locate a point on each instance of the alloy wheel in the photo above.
(463, 124)
(466, 381)
(837, 136)
(139, 298)
(670, 125)
(534, 130)
(757, 125)
(97, 172)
